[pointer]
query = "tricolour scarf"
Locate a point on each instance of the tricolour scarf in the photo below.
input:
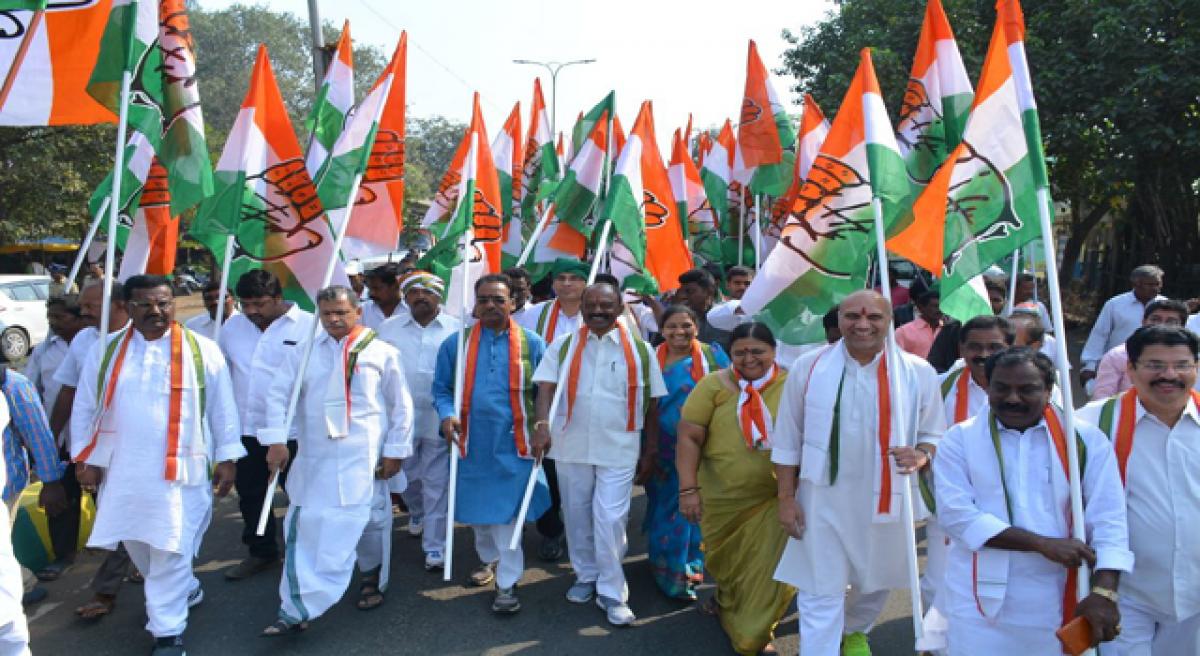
(754, 417)
(520, 385)
(1123, 440)
(704, 361)
(337, 393)
(637, 372)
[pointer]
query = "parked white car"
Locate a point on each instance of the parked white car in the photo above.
(23, 322)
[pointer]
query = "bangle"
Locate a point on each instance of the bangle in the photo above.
(1108, 594)
(689, 490)
(928, 454)
(540, 422)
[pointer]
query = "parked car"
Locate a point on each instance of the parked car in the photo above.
(23, 322)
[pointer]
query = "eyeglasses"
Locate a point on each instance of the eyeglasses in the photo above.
(162, 306)
(1158, 366)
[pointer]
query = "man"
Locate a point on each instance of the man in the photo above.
(1120, 316)
(964, 388)
(493, 433)
(1155, 429)
(354, 272)
(1023, 293)
(1003, 497)
(1112, 374)
(522, 287)
(728, 314)
(383, 285)
(844, 516)
(256, 343)
(355, 419)
(898, 294)
(418, 335)
(151, 422)
(112, 571)
(205, 323)
(59, 285)
(698, 290)
(943, 353)
(14, 631)
(550, 320)
(917, 335)
(612, 387)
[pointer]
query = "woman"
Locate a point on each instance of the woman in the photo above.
(674, 542)
(727, 484)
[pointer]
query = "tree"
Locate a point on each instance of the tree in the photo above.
(1116, 90)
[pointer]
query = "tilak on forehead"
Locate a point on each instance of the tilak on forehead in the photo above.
(863, 302)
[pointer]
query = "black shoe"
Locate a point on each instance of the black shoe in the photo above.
(37, 594)
(552, 549)
(249, 567)
(168, 646)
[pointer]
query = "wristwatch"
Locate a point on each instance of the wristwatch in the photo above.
(1107, 593)
(928, 454)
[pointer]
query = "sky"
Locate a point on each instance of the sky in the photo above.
(683, 56)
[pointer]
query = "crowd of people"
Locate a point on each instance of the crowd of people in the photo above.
(776, 472)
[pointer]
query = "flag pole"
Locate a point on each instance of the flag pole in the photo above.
(110, 247)
(538, 229)
(88, 239)
(758, 220)
(741, 228)
(216, 335)
(1012, 280)
(892, 353)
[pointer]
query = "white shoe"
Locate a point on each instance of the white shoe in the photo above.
(617, 611)
(434, 561)
(581, 592)
(415, 527)
(195, 597)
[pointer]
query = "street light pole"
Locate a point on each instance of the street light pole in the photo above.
(554, 67)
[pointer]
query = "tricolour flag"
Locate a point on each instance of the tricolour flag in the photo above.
(813, 129)
(266, 199)
(372, 145)
(689, 193)
(334, 102)
(576, 196)
(541, 168)
(982, 204)
(823, 251)
(936, 100)
(766, 137)
(508, 158)
(148, 238)
(47, 60)
(478, 217)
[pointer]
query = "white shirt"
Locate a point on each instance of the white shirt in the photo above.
(373, 316)
(255, 357)
(643, 317)
(43, 363)
(71, 367)
(1193, 323)
(202, 324)
(596, 434)
(418, 347)
(340, 472)
(1120, 316)
(976, 395)
(725, 315)
(971, 509)
(1162, 494)
(528, 319)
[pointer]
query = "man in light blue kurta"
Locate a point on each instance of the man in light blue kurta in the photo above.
(492, 476)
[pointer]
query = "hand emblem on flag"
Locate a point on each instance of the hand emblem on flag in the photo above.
(824, 214)
(288, 205)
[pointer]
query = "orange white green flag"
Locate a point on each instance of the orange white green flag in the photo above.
(334, 101)
(540, 167)
(371, 146)
(477, 218)
(265, 198)
(813, 129)
(765, 136)
(148, 236)
(508, 157)
(823, 250)
(46, 60)
(582, 186)
(982, 204)
(937, 99)
(689, 193)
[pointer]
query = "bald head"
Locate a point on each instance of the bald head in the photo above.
(863, 319)
(866, 296)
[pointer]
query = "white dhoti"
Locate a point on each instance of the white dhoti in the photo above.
(595, 503)
(935, 624)
(1147, 633)
(428, 472)
(976, 636)
(824, 619)
(491, 543)
(14, 633)
(320, 552)
(375, 546)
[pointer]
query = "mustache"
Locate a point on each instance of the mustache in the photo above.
(1164, 381)
(979, 361)
(1012, 407)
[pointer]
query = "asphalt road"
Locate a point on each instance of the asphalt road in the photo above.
(422, 614)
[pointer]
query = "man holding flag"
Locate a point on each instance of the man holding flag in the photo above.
(844, 517)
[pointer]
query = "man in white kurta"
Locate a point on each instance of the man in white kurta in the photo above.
(14, 632)
(597, 444)
(1155, 429)
(386, 301)
(845, 522)
(1003, 496)
(354, 421)
(205, 323)
(155, 487)
(418, 335)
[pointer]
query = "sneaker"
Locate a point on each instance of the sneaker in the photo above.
(617, 611)
(506, 602)
(855, 644)
(195, 597)
(553, 549)
(483, 575)
(581, 592)
(434, 561)
(168, 646)
(416, 526)
(249, 567)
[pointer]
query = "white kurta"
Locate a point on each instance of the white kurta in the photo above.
(67, 374)
(1019, 590)
(727, 315)
(255, 357)
(202, 324)
(136, 501)
(976, 395)
(373, 316)
(528, 319)
(845, 543)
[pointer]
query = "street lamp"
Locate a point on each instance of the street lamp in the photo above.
(554, 67)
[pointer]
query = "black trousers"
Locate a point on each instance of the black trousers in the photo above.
(64, 528)
(550, 524)
(251, 485)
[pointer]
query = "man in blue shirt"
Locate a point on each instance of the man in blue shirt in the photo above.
(495, 440)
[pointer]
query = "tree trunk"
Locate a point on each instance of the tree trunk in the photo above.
(1081, 229)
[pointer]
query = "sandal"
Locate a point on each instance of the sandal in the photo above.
(53, 571)
(98, 607)
(370, 596)
(709, 607)
(281, 627)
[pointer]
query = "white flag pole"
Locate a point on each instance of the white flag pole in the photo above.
(1012, 280)
(88, 239)
(899, 427)
(543, 221)
(220, 318)
(110, 249)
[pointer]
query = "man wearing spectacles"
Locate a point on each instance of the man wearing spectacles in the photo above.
(1155, 430)
(1112, 374)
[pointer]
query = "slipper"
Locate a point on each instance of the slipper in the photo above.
(97, 608)
(281, 627)
(709, 607)
(52, 572)
(370, 596)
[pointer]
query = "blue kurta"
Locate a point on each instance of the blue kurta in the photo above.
(492, 478)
